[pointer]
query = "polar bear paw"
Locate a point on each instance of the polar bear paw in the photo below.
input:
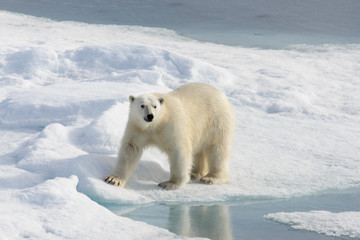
(208, 180)
(214, 180)
(195, 176)
(114, 180)
(169, 185)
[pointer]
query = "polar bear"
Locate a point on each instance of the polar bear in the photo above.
(193, 125)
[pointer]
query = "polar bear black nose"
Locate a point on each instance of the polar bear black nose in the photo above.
(150, 117)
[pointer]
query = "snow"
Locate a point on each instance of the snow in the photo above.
(342, 224)
(46, 211)
(64, 105)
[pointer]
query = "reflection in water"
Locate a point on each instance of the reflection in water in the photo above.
(200, 221)
(246, 218)
(213, 222)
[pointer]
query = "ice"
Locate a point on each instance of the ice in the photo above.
(341, 224)
(64, 106)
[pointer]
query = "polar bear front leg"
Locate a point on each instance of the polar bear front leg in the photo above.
(128, 158)
(180, 167)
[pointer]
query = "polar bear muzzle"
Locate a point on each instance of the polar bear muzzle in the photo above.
(149, 117)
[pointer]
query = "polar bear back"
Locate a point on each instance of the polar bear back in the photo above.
(209, 114)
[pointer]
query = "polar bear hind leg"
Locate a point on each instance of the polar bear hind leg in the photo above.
(200, 166)
(218, 165)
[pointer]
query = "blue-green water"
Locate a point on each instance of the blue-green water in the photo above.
(240, 220)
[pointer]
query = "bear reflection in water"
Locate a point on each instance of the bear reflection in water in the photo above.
(200, 221)
(213, 222)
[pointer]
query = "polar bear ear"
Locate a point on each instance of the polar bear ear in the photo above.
(131, 98)
(161, 100)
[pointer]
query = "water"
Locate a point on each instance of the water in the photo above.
(240, 220)
(254, 23)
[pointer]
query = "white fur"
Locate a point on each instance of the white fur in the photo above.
(193, 124)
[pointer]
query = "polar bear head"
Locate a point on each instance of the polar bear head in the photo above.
(145, 109)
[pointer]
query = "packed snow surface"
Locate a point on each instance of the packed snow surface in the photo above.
(342, 224)
(64, 105)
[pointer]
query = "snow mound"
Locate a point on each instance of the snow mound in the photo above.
(58, 80)
(130, 63)
(342, 224)
(45, 211)
(104, 133)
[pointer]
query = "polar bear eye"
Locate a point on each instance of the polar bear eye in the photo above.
(154, 106)
(142, 106)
